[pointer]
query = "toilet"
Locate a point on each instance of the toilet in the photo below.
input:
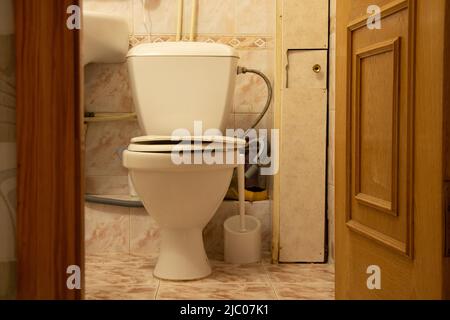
(176, 85)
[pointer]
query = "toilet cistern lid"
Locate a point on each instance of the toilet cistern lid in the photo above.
(190, 143)
(182, 49)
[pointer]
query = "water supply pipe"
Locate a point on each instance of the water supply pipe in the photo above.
(193, 19)
(180, 20)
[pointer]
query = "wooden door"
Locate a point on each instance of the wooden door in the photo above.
(389, 149)
(50, 176)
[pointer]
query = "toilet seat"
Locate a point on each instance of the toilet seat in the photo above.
(155, 152)
(168, 144)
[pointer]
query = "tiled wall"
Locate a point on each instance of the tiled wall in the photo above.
(248, 25)
(8, 152)
(116, 230)
(331, 130)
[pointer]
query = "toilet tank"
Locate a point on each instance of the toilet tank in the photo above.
(175, 84)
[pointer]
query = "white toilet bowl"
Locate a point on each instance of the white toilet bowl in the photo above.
(182, 198)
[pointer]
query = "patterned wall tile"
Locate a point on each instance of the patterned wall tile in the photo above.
(145, 233)
(214, 16)
(246, 120)
(162, 16)
(107, 88)
(107, 229)
(255, 16)
(105, 142)
(110, 229)
(238, 42)
(107, 185)
(251, 90)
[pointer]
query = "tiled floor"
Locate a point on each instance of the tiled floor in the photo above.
(125, 277)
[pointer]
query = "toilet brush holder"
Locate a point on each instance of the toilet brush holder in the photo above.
(242, 247)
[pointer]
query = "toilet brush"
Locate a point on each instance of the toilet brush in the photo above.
(241, 184)
(242, 242)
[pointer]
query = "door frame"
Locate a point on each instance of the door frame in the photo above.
(50, 205)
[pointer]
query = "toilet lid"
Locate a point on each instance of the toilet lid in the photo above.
(188, 143)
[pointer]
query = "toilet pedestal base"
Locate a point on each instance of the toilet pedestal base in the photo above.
(182, 255)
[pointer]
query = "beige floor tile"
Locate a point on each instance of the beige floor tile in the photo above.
(222, 291)
(121, 292)
(300, 273)
(229, 273)
(131, 277)
(126, 270)
(305, 291)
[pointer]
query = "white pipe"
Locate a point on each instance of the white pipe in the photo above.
(180, 20)
(193, 19)
(241, 184)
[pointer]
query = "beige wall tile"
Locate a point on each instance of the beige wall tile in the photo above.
(263, 211)
(245, 121)
(107, 88)
(251, 90)
(145, 236)
(214, 17)
(163, 16)
(107, 229)
(213, 233)
(144, 231)
(255, 16)
(107, 185)
(105, 143)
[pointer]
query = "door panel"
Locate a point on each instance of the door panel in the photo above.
(381, 108)
(389, 170)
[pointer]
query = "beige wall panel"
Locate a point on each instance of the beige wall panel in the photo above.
(302, 178)
(306, 69)
(305, 24)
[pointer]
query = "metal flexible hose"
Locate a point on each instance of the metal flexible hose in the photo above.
(114, 202)
(243, 70)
